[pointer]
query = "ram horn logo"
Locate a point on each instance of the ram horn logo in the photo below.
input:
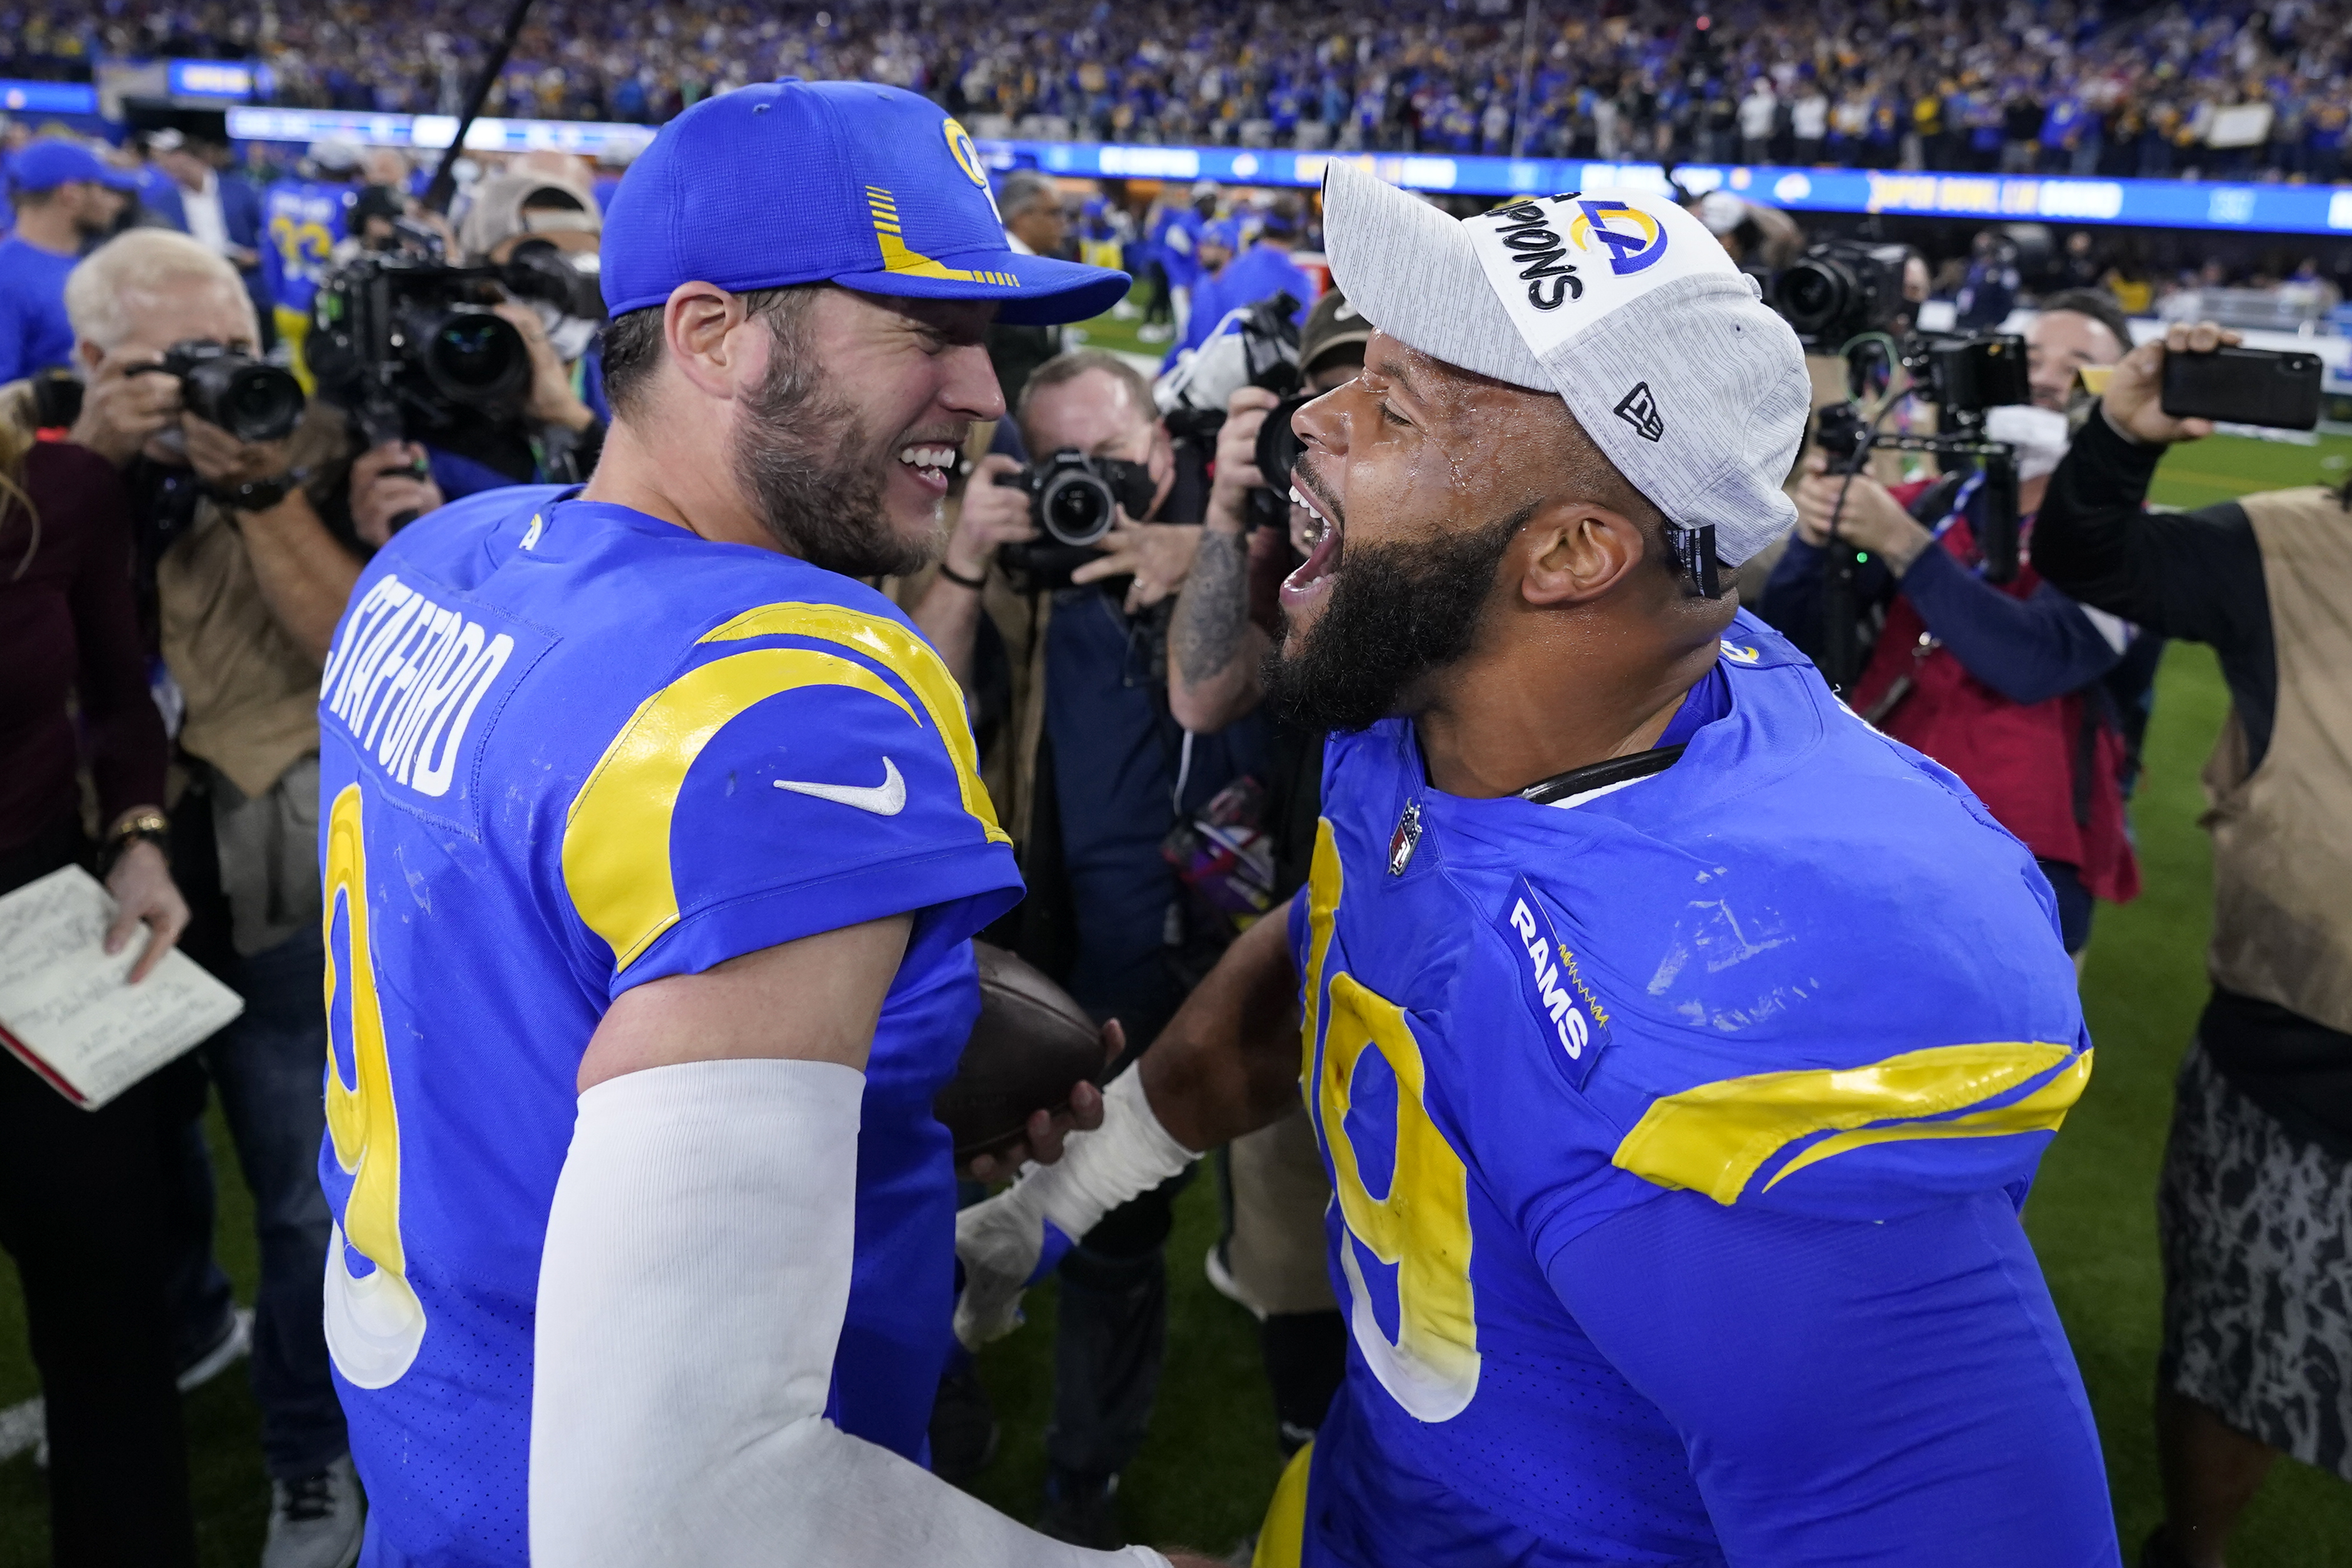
(1627, 252)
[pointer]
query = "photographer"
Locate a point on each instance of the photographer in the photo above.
(1106, 773)
(1272, 1257)
(2255, 1206)
(1035, 224)
(2003, 683)
(254, 546)
(557, 432)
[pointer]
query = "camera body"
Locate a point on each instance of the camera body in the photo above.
(251, 399)
(1262, 352)
(1841, 289)
(411, 346)
(1073, 500)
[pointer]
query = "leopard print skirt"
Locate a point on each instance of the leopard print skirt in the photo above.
(2256, 1228)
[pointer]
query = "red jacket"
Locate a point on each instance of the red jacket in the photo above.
(2049, 771)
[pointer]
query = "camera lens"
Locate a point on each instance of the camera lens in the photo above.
(1076, 508)
(1277, 444)
(251, 401)
(1813, 294)
(472, 356)
(262, 404)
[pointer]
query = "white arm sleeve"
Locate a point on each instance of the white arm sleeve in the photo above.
(691, 1295)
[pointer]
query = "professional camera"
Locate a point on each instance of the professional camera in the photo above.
(1962, 377)
(1262, 352)
(250, 400)
(1840, 289)
(411, 346)
(1073, 500)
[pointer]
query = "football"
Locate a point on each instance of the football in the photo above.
(1029, 1046)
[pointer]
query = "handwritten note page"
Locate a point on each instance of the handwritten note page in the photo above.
(65, 1009)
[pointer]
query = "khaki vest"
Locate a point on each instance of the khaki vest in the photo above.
(2283, 834)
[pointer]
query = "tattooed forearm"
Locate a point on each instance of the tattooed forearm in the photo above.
(1212, 608)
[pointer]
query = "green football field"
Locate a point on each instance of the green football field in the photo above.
(1205, 1473)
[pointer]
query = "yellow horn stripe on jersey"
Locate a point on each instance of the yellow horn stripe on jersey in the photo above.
(616, 862)
(906, 656)
(2040, 1111)
(1713, 1137)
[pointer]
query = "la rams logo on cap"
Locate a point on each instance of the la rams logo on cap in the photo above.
(1628, 251)
(966, 154)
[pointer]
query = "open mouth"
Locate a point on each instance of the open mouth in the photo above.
(931, 463)
(1313, 578)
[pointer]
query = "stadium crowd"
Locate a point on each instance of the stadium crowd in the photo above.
(177, 595)
(2233, 90)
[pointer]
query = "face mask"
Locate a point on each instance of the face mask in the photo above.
(569, 334)
(2040, 436)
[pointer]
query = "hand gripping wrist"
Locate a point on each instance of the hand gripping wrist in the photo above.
(1001, 1241)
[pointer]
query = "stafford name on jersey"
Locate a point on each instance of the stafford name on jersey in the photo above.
(405, 677)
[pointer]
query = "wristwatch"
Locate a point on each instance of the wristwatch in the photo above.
(254, 495)
(152, 826)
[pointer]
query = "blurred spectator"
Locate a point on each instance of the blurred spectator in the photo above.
(213, 205)
(2005, 684)
(249, 577)
(1988, 294)
(2067, 86)
(1035, 224)
(1260, 272)
(305, 216)
(1177, 231)
(2254, 1205)
(1219, 242)
(65, 198)
(87, 1198)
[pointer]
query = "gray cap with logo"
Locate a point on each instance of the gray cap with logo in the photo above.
(1622, 303)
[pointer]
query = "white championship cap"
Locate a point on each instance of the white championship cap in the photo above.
(1622, 303)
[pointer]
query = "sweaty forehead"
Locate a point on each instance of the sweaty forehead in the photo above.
(1462, 402)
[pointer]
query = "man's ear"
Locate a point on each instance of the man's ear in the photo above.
(1576, 552)
(699, 329)
(91, 354)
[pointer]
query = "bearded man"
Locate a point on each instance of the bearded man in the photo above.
(653, 845)
(1680, 1049)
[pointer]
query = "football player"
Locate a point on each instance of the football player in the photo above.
(653, 846)
(1680, 1048)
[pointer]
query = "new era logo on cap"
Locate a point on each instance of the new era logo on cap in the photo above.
(1640, 410)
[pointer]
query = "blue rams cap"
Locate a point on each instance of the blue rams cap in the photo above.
(871, 187)
(46, 164)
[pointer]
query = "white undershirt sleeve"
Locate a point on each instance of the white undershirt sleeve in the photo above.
(691, 1297)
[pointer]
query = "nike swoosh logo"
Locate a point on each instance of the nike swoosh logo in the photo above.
(887, 798)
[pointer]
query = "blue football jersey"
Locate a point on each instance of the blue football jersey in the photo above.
(1801, 974)
(567, 749)
(302, 221)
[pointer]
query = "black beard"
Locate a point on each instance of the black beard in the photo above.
(816, 477)
(1398, 611)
